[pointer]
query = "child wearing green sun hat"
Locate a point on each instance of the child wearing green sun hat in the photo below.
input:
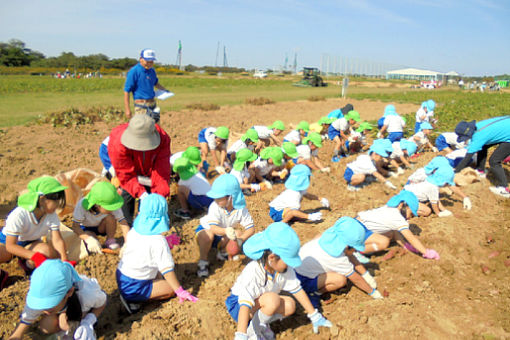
(214, 140)
(301, 131)
(269, 133)
(193, 187)
(98, 214)
(248, 140)
(268, 165)
(242, 172)
(309, 152)
(32, 219)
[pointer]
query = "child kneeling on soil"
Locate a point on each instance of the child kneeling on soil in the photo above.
(214, 140)
(401, 152)
(268, 165)
(390, 223)
(67, 303)
(29, 222)
(255, 294)
(328, 261)
(193, 187)
(242, 172)
(309, 152)
(248, 140)
(421, 137)
(357, 172)
(217, 227)
(285, 207)
(146, 268)
(357, 140)
(295, 136)
(98, 214)
(268, 133)
(339, 132)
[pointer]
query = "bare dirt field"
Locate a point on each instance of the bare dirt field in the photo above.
(445, 299)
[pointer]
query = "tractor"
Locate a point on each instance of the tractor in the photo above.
(311, 78)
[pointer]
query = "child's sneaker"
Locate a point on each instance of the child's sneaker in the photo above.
(3, 278)
(501, 191)
(203, 269)
(481, 173)
(221, 256)
(132, 308)
(182, 214)
(112, 244)
(352, 188)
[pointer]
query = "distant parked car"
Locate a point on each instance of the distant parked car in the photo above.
(260, 74)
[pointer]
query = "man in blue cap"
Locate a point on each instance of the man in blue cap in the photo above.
(141, 80)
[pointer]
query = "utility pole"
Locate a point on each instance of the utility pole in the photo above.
(225, 63)
(217, 54)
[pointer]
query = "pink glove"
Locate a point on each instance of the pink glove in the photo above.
(173, 240)
(410, 247)
(431, 254)
(184, 295)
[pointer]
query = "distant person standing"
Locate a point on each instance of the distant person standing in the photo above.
(141, 80)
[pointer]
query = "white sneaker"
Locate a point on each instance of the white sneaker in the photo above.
(203, 269)
(222, 256)
(481, 174)
(501, 191)
(352, 187)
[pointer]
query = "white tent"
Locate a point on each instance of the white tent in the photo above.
(414, 74)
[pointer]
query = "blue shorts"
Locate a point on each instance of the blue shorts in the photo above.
(92, 229)
(417, 127)
(395, 136)
(103, 155)
(201, 136)
(455, 162)
(380, 123)
(19, 243)
(441, 143)
(232, 303)
(229, 157)
(133, 290)
(309, 285)
(217, 239)
(276, 215)
(348, 175)
(368, 233)
(199, 202)
(332, 132)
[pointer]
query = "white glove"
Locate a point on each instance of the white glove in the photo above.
(86, 329)
(268, 185)
(434, 149)
(376, 295)
(393, 174)
(93, 245)
(390, 185)
(220, 169)
(112, 171)
(231, 233)
(316, 216)
(326, 169)
(467, 203)
(445, 213)
(325, 202)
(400, 171)
(255, 187)
(369, 279)
(379, 135)
(241, 336)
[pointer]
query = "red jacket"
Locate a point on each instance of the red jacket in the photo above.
(129, 164)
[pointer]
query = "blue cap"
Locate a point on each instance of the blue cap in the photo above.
(465, 130)
(381, 147)
(431, 105)
(278, 237)
(424, 104)
(426, 125)
(436, 163)
(299, 178)
(346, 231)
(405, 196)
(50, 283)
(411, 147)
(442, 176)
(148, 54)
(227, 185)
(390, 110)
(153, 217)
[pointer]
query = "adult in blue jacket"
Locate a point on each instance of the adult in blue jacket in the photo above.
(141, 80)
(483, 135)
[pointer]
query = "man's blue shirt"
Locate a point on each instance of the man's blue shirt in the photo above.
(141, 82)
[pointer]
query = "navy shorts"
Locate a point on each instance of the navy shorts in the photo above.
(309, 285)
(441, 143)
(133, 290)
(232, 303)
(395, 136)
(276, 215)
(380, 123)
(217, 239)
(199, 202)
(201, 136)
(92, 229)
(332, 133)
(348, 175)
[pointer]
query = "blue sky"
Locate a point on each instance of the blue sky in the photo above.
(471, 37)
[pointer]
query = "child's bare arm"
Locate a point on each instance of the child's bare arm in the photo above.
(411, 238)
(379, 177)
(304, 301)
(360, 282)
(78, 231)
(12, 247)
(435, 207)
(20, 329)
(58, 244)
(171, 278)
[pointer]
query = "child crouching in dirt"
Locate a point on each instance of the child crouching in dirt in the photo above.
(66, 303)
(357, 140)
(98, 214)
(286, 206)
(390, 223)
(146, 268)
(214, 140)
(268, 133)
(248, 140)
(401, 153)
(309, 152)
(421, 137)
(295, 136)
(328, 261)
(34, 216)
(226, 212)
(193, 187)
(255, 294)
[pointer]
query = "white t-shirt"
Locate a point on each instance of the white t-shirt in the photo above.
(451, 139)
(293, 136)
(255, 281)
(341, 124)
(419, 139)
(88, 291)
(240, 175)
(459, 153)
(421, 115)
(90, 219)
(397, 150)
(22, 223)
(383, 219)
(222, 218)
(175, 157)
(362, 165)
(210, 137)
(145, 255)
(263, 166)
(288, 199)
(238, 145)
(198, 184)
(305, 152)
(424, 191)
(106, 141)
(263, 131)
(395, 123)
(418, 176)
(316, 261)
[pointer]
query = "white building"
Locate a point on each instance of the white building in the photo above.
(414, 74)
